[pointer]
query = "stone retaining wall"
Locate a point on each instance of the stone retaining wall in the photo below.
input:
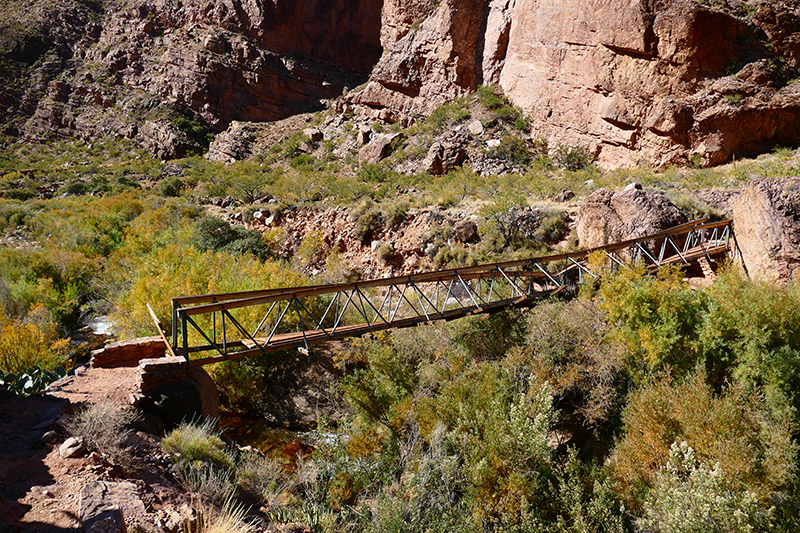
(161, 371)
(128, 352)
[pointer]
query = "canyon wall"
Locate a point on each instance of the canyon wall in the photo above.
(133, 69)
(662, 81)
(657, 81)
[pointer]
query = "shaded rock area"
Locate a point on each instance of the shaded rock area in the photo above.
(299, 389)
(609, 216)
(43, 491)
(147, 71)
(23, 425)
(174, 402)
(766, 217)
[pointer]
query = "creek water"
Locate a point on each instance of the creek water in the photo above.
(277, 442)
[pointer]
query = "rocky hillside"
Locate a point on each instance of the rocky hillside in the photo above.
(667, 81)
(168, 73)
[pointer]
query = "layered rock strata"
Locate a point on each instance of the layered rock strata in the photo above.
(657, 81)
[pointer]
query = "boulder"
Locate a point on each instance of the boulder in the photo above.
(609, 217)
(466, 231)
(476, 128)
(72, 447)
(766, 218)
(444, 156)
(564, 196)
(313, 134)
(104, 505)
(378, 148)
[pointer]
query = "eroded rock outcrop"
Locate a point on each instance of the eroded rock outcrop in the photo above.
(608, 217)
(766, 218)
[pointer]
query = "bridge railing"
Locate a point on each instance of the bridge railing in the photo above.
(234, 325)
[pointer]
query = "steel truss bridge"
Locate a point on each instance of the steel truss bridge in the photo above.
(218, 327)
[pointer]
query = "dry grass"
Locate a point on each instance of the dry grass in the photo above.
(231, 519)
(102, 426)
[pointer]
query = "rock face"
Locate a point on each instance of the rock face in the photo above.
(609, 217)
(662, 81)
(435, 61)
(135, 70)
(766, 218)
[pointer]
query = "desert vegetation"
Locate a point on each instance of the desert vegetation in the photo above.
(642, 405)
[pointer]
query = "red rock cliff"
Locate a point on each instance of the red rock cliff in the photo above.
(662, 81)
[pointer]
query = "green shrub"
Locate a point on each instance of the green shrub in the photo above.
(303, 162)
(583, 500)
(656, 321)
(736, 429)
(195, 130)
(385, 253)
(22, 194)
(291, 146)
(170, 186)
(197, 443)
(488, 97)
(451, 256)
(32, 341)
(14, 213)
(572, 158)
(207, 481)
(447, 114)
(366, 225)
(429, 495)
(511, 149)
(567, 348)
(215, 234)
(76, 188)
(373, 173)
(752, 331)
(690, 495)
(266, 478)
(394, 213)
(692, 207)
(311, 250)
(153, 280)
